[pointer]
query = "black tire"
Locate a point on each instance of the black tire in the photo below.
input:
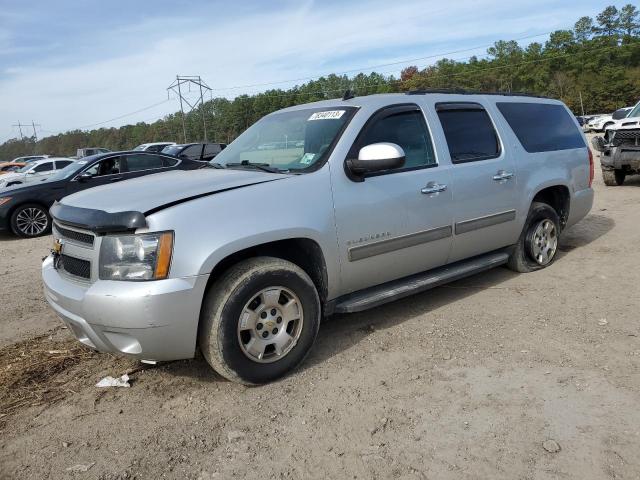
(38, 229)
(522, 259)
(598, 144)
(219, 335)
(613, 178)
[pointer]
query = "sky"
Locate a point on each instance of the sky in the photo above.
(93, 63)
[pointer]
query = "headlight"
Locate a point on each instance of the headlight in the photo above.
(146, 256)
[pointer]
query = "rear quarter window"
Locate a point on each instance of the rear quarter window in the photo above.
(542, 127)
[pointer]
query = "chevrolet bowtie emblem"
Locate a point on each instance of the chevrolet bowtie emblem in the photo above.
(57, 247)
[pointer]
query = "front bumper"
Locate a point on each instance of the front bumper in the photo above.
(156, 320)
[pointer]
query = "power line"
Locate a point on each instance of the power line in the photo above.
(374, 67)
(122, 116)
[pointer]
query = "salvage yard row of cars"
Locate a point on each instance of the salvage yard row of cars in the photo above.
(27, 193)
(331, 207)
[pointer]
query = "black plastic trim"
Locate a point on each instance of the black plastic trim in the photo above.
(97, 221)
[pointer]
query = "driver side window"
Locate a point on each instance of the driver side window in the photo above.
(44, 167)
(408, 130)
(108, 166)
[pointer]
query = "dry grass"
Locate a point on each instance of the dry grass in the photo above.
(32, 371)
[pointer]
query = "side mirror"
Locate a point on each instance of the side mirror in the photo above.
(376, 158)
(31, 172)
(83, 177)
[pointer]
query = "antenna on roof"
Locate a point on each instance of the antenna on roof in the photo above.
(348, 95)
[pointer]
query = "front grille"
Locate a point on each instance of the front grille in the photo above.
(627, 138)
(75, 266)
(80, 237)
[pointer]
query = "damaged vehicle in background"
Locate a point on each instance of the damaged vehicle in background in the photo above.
(620, 149)
(25, 209)
(355, 203)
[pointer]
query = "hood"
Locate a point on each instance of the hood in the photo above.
(623, 124)
(151, 193)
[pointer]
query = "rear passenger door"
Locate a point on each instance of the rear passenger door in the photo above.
(139, 164)
(396, 222)
(483, 179)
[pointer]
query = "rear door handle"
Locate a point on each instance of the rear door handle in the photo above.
(117, 179)
(502, 175)
(433, 187)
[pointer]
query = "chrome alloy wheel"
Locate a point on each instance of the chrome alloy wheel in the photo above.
(270, 324)
(32, 221)
(544, 242)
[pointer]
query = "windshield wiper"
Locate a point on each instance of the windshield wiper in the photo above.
(265, 167)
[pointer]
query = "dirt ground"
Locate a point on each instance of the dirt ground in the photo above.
(471, 380)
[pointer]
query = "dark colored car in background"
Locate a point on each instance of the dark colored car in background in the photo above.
(25, 209)
(202, 152)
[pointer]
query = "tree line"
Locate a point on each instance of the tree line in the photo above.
(594, 67)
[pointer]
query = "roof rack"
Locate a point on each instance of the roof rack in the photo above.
(460, 91)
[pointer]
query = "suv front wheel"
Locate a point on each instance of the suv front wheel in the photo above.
(538, 243)
(259, 320)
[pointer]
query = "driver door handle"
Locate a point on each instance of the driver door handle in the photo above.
(117, 179)
(433, 187)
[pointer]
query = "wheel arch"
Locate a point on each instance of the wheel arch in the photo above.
(558, 197)
(302, 251)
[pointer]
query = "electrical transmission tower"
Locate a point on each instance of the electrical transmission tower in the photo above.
(33, 124)
(178, 87)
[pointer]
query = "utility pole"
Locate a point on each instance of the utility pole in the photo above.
(176, 87)
(19, 125)
(34, 125)
(581, 104)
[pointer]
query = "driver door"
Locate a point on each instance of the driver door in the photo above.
(103, 172)
(394, 224)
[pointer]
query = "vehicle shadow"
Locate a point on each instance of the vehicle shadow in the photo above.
(590, 228)
(341, 332)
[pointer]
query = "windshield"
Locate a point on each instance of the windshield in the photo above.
(141, 147)
(67, 171)
(26, 168)
(288, 141)
(635, 112)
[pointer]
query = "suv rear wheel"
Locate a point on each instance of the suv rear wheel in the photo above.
(259, 320)
(538, 243)
(30, 220)
(613, 178)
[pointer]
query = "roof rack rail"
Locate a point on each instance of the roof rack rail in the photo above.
(460, 91)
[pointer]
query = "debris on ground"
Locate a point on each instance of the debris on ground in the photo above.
(30, 365)
(602, 322)
(122, 381)
(81, 467)
(551, 446)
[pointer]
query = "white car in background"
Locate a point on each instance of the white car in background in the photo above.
(155, 147)
(34, 171)
(600, 123)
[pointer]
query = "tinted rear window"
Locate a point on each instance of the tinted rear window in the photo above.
(469, 132)
(542, 127)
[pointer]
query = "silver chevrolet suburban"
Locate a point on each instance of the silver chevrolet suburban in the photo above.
(330, 207)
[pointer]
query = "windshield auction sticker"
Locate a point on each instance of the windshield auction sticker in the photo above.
(328, 115)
